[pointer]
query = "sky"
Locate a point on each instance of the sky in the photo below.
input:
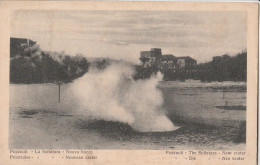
(123, 34)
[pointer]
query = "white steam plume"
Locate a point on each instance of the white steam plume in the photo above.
(112, 95)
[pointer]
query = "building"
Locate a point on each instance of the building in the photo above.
(17, 45)
(186, 62)
(150, 58)
(168, 61)
(155, 59)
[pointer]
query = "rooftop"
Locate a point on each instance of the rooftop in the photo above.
(185, 57)
(167, 57)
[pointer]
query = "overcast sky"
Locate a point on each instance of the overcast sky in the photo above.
(123, 34)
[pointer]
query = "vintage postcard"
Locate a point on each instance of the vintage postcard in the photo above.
(128, 83)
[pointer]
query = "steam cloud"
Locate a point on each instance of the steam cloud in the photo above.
(112, 95)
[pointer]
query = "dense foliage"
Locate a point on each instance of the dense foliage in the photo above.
(225, 68)
(221, 68)
(37, 66)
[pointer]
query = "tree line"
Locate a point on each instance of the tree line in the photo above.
(221, 68)
(36, 66)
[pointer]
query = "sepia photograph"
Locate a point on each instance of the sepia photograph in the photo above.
(128, 80)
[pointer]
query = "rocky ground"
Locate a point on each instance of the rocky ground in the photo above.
(202, 125)
(53, 130)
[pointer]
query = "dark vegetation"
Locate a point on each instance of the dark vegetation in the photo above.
(221, 68)
(33, 65)
(36, 66)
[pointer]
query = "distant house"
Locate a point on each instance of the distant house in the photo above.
(17, 45)
(186, 62)
(150, 58)
(168, 61)
(155, 59)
